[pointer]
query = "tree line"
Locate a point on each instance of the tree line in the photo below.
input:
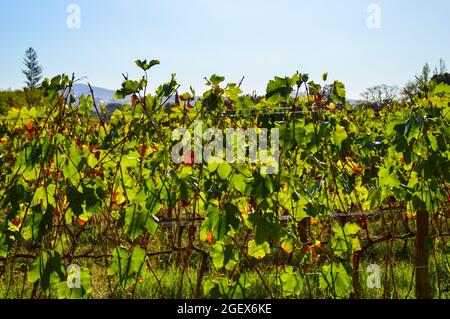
(381, 95)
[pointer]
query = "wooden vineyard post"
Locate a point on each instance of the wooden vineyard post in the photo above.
(355, 275)
(423, 290)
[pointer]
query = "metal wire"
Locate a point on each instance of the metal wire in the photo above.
(285, 218)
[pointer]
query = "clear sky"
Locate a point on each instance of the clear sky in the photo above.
(255, 38)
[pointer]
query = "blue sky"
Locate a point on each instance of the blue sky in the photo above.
(255, 38)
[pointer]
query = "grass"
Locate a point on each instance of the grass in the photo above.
(396, 278)
(396, 283)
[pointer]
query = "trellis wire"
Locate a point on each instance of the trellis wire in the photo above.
(285, 218)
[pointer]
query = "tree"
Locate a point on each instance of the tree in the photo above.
(380, 95)
(421, 85)
(442, 68)
(33, 71)
(441, 78)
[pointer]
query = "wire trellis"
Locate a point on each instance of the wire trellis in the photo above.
(286, 218)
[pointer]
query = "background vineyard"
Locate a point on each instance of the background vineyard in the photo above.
(354, 187)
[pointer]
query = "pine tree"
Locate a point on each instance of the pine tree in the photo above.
(33, 71)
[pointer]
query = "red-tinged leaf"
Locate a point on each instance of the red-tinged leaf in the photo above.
(357, 170)
(17, 222)
(210, 238)
(81, 221)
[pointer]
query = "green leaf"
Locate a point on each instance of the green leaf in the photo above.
(338, 92)
(4, 245)
(168, 88)
(280, 87)
(146, 66)
(292, 282)
(258, 251)
(130, 160)
(339, 135)
(223, 256)
(239, 183)
(129, 87)
(217, 255)
(212, 166)
(232, 213)
(138, 220)
(224, 170)
(37, 268)
(137, 260)
(351, 229)
(387, 179)
(336, 278)
(425, 199)
(216, 79)
(344, 240)
(433, 142)
(220, 223)
(267, 227)
(119, 261)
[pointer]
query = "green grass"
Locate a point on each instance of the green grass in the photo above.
(397, 279)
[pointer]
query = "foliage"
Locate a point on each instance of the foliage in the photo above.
(443, 78)
(74, 188)
(15, 99)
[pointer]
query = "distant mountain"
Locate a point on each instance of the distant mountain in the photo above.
(101, 95)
